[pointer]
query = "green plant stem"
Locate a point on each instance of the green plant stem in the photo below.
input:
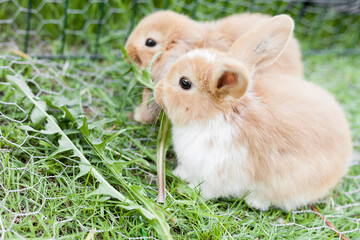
(161, 154)
(145, 80)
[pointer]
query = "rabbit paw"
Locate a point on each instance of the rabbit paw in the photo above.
(143, 115)
(259, 204)
(137, 114)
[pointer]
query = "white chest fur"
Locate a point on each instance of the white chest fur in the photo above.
(209, 155)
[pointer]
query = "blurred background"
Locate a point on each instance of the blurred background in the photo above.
(50, 28)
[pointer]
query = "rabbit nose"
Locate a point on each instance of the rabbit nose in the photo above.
(133, 55)
(135, 59)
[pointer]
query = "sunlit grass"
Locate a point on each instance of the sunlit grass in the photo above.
(41, 197)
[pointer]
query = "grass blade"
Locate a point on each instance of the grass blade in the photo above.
(64, 138)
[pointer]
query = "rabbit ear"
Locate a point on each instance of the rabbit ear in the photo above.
(261, 46)
(231, 78)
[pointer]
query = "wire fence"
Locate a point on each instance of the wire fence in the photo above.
(31, 184)
(59, 28)
(39, 197)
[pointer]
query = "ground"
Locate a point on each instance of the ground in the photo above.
(41, 196)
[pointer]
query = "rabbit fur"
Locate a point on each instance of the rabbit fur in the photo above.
(272, 138)
(175, 34)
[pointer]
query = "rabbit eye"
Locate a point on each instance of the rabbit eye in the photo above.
(185, 83)
(150, 42)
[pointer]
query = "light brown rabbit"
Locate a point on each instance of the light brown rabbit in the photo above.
(276, 139)
(175, 34)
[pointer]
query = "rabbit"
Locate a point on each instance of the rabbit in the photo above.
(167, 32)
(276, 139)
(175, 34)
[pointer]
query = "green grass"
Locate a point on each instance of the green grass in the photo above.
(41, 197)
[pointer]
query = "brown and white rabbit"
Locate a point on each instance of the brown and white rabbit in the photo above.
(277, 140)
(175, 34)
